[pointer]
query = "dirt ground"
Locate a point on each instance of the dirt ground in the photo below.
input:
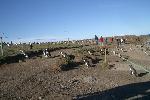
(37, 79)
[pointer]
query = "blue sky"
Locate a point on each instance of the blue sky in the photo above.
(77, 19)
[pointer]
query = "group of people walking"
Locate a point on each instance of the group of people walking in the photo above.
(101, 41)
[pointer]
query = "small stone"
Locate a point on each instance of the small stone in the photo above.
(40, 98)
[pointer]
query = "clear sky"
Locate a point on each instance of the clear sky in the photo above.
(76, 19)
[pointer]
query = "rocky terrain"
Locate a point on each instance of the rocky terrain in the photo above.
(42, 79)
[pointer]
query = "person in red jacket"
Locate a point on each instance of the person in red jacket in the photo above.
(111, 40)
(101, 40)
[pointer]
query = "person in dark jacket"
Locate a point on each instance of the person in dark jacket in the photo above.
(106, 41)
(96, 39)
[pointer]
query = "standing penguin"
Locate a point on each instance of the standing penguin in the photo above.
(46, 53)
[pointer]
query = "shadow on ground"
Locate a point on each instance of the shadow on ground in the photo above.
(142, 74)
(135, 91)
(70, 66)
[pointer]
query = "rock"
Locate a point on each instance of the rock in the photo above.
(40, 98)
(89, 79)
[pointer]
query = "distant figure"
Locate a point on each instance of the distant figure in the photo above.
(124, 41)
(121, 40)
(11, 43)
(96, 39)
(111, 40)
(31, 46)
(118, 42)
(101, 40)
(106, 41)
